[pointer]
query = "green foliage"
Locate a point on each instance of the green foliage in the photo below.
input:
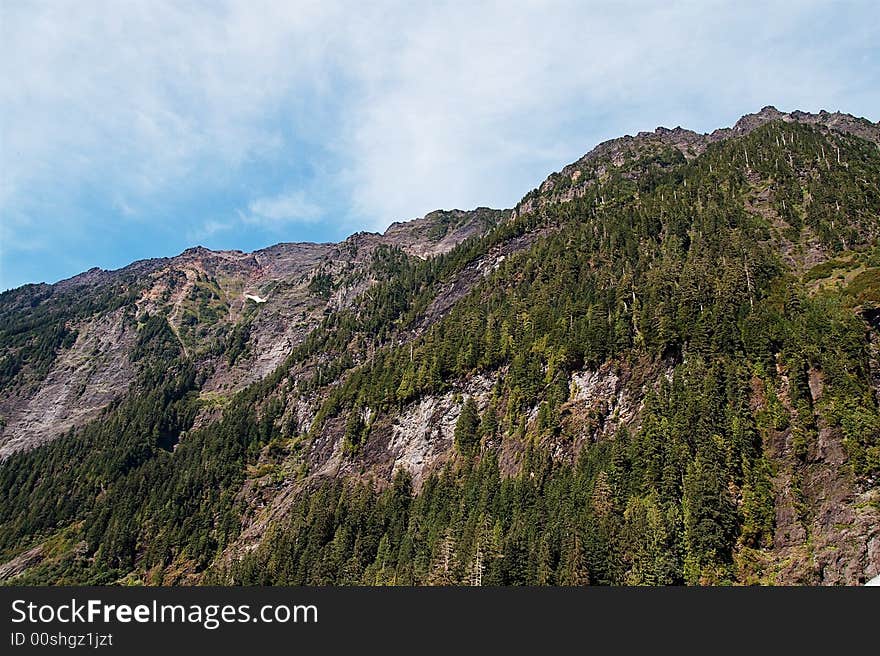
(237, 342)
(466, 428)
(321, 285)
(356, 431)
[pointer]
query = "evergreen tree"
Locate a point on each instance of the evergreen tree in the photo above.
(466, 428)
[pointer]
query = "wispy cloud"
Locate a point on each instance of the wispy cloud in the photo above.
(277, 211)
(272, 213)
(209, 229)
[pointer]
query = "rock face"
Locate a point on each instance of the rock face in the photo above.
(422, 434)
(440, 231)
(827, 528)
(21, 563)
(86, 377)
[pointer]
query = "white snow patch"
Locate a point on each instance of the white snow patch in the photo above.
(255, 298)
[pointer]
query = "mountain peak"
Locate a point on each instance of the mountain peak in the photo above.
(197, 250)
(573, 179)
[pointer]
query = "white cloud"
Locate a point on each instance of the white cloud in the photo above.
(475, 106)
(143, 96)
(210, 228)
(273, 213)
(276, 211)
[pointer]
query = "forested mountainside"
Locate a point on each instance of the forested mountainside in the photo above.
(660, 367)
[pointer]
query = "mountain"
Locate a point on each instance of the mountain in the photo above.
(237, 315)
(660, 367)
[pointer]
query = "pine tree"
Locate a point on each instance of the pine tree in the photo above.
(466, 433)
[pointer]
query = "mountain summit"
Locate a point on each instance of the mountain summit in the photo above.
(660, 367)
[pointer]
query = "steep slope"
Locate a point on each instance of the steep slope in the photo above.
(64, 359)
(660, 367)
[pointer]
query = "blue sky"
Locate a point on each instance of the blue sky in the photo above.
(134, 130)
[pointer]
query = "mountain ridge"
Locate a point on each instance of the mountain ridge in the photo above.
(672, 337)
(678, 136)
(691, 143)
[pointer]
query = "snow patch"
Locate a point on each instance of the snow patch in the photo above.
(255, 298)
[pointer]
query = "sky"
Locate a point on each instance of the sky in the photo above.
(138, 129)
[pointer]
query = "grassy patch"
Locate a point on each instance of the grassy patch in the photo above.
(864, 287)
(832, 268)
(213, 400)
